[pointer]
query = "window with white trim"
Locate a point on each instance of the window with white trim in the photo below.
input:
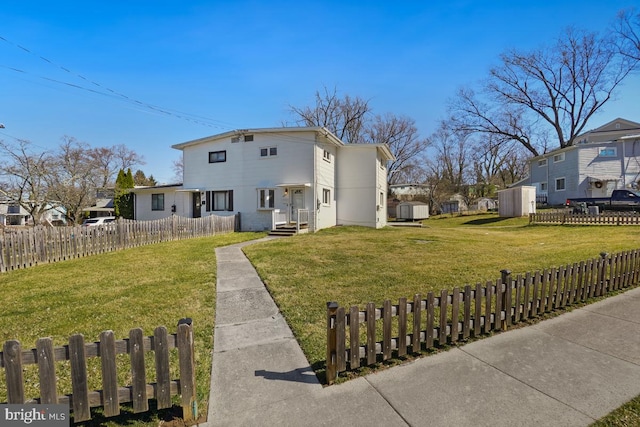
(542, 163)
(217, 156)
(607, 152)
(266, 198)
(543, 186)
(326, 155)
(558, 158)
(268, 151)
(326, 196)
(561, 184)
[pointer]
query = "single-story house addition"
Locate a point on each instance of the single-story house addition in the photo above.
(602, 160)
(276, 176)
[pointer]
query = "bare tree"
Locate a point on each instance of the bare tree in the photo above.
(24, 173)
(401, 135)
(67, 177)
(550, 91)
(627, 28)
(345, 117)
(496, 164)
(350, 119)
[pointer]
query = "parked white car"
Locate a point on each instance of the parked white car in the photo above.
(101, 220)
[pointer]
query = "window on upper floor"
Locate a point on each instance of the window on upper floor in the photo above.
(268, 151)
(326, 155)
(558, 158)
(607, 152)
(542, 162)
(217, 156)
(157, 202)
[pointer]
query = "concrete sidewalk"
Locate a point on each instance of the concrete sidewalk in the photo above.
(566, 371)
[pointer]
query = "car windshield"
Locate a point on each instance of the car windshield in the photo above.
(90, 221)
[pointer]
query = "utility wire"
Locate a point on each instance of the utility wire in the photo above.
(105, 91)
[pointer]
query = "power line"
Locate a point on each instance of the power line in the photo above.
(106, 91)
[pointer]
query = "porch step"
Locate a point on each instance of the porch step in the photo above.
(286, 230)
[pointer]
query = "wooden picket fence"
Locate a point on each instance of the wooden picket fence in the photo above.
(23, 248)
(567, 217)
(81, 400)
(353, 335)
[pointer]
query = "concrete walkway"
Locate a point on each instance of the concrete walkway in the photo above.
(566, 371)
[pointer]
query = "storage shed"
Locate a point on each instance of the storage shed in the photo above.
(517, 201)
(412, 211)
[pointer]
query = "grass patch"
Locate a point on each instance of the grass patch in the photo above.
(355, 265)
(628, 415)
(141, 287)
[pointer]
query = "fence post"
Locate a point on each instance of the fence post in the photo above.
(12, 354)
(506, 298)
(332, 345)
(603, 288)
(187, 370)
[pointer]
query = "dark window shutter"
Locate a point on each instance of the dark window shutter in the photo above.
(230, 200)
(208, 201)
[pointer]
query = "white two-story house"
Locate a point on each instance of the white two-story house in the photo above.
(602, 160)
(276, 176)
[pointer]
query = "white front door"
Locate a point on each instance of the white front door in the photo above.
(297, 202)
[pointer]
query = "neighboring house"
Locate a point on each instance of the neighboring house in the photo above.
(104, 204)
(602, 160)
(408, 191)
(276, 176)
(14, 214)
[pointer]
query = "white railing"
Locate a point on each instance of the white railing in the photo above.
(303, 218)
(278, 218)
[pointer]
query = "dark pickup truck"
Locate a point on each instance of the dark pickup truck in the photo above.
(620, 200)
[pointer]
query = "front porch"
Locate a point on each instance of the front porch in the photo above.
(283, 224)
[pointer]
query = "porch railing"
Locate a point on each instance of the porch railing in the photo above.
(303, 218)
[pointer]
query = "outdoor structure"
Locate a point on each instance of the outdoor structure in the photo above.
(276, 177)
(104, 204)
(517, 201)
(602, 160)
(412, 211)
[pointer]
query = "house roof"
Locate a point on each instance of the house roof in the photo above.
(619, 129)
(282, 130)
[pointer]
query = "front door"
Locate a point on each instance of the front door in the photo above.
(297, 202)
(196, 204)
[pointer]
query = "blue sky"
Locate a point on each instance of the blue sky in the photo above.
(207, 67)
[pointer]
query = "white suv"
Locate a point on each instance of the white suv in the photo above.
(101, 220)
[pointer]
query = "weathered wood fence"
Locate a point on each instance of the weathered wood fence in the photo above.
(566, 217)
(13, 358)
(353, 335)
(41, 245)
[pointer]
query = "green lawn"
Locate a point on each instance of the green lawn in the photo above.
(159, 284)
(355, 265)
(142, 287)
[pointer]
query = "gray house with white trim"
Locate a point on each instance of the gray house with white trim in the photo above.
(602, 160)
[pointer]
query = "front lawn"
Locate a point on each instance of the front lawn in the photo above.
(355, 265)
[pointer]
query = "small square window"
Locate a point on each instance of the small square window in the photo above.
(326, 155)
(217, 156)
(558, 158)
(273, 151)
(248, 138)
(560, 184)
(542, 162)
(268, 151)
(264, 152)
